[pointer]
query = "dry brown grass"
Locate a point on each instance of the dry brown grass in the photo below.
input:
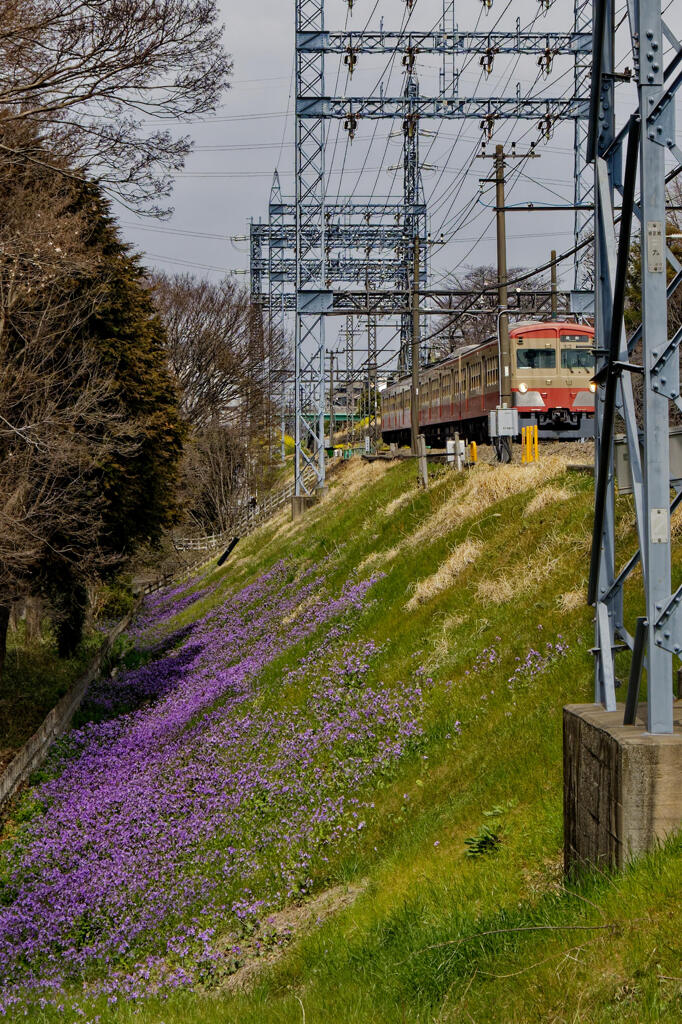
(289, 923)
(440, 645)
(377, 558)
(486, 486)
(464, 555)
(400, 501)
(573, 599)
(547, 496)
(519, 580)
(676, 522)
(354, 476)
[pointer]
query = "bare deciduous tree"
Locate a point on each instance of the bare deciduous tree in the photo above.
(229, 368)
(94, 72)
(478, 317)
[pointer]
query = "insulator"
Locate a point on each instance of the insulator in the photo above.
(350, 60)
(545, 61)
(487, 60)
(487, 126)
(351, 124)
(487, 4)
(409, 58)
(546, 4)
(546, 127)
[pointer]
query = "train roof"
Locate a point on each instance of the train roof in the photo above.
(549, 323)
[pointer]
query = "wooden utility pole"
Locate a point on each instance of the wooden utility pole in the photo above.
(555, 296)
(414, 400)
(502, 295)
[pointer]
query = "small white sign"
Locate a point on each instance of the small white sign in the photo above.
(655, 247)
(660, 526)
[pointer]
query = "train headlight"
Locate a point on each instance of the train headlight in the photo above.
(523, 388)
(593, 387)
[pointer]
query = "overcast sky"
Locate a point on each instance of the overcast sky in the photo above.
(227, 179)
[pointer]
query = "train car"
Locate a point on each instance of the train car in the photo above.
(552, 365)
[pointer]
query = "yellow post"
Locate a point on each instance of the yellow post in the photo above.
(473, 452)
(523, 446)
(535, 441)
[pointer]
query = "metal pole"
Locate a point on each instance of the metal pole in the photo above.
(284, 452)
(555, 296)
(331, 400)
(502, 301)
(414, 401)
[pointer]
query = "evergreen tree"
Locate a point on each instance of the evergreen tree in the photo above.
(139, 490)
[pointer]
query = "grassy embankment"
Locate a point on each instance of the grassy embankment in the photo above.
(477, 612)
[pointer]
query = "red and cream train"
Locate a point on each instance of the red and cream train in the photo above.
(552, 364)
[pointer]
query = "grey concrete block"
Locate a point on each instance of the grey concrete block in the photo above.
(622, 786)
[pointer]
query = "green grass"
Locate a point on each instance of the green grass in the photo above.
(33, 681)
(436, 935)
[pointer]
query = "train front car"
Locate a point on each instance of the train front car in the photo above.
(552, 365)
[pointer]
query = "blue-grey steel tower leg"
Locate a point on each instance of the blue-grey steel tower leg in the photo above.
(654, 136)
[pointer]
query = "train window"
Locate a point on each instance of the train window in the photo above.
(576, 358)
(536, 358)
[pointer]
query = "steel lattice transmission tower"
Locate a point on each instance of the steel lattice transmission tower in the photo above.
(619, 155)
(309, 344)
(314, 108)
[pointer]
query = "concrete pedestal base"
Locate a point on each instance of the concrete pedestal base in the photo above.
(300, 503)
(622, 786)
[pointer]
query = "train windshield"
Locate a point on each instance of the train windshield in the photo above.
(576, 353)
(536, 358)
(577, 359)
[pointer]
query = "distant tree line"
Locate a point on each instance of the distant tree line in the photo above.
(128, 404)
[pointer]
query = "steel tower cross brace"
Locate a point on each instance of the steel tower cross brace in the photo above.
(364, 246)
(646, 137)
(448, 42)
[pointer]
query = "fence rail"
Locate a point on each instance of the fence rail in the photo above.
(246, 522)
